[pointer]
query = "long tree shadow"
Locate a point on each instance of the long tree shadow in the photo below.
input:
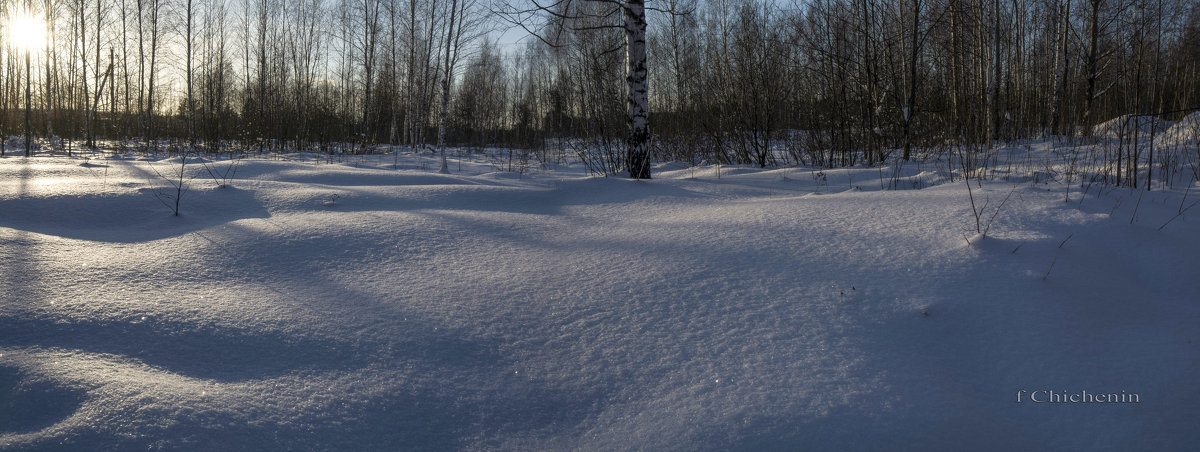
(132, 216)
(455, 384)
(199, 353)
(28, 406)
(548, 198)
(25, 405)
(463, 393)
(342, 176)
(451, 417)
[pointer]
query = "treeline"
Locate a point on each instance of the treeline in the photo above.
(826, 82)
(837, 82)
(294, 74)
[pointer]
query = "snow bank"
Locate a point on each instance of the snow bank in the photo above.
(423, 311)
(1123, 127)
(1185, 133)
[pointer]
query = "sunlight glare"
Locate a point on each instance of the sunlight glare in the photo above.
(27, 31)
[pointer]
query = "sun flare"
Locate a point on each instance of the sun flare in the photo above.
(27, 31)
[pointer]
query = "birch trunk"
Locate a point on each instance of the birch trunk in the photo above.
(638, 157)
(410, 107)
(1062, 63)
(910, 106)
(191, 119)
(1093, 35)
(28, 106)
(451, 43)
(87, 123)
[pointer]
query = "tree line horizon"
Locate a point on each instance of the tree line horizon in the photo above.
(822, 82)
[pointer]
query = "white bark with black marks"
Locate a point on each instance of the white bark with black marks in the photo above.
(451, 55)
(637, 104)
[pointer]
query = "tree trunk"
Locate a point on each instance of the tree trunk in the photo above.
(87, 126)
(410, 106)
(956, 67)
(394, 79)
(141, 106)
(1093, 35)
(154, 10)
(370, 40)
(191, 121)
(911, 101)
(638, 157)
(125, 71)
(997, 74)
(28, 105)
(451, 43)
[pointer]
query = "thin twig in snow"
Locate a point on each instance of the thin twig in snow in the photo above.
(1047, 275)
(1064, 242)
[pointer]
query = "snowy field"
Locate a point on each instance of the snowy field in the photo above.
(356, 306)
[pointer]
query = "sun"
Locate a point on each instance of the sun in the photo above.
(27, 31)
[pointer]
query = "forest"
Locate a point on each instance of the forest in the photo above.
(767, 83)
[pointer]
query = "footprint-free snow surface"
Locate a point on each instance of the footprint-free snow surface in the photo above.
(354, 306)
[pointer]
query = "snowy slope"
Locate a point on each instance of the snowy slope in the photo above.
(1185, 134)
(765, 309)
(1123, 127)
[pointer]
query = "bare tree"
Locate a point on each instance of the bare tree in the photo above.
(562, 15)
(154, 8)
(81, 13)
(369, 41)
(453, 38)
(188, 37)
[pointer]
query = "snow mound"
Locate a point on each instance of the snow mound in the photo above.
(1185, 133)
(117, 201)
(1123, 127)
(319, 306)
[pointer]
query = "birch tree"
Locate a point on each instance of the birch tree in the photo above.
(461, 29)
(83, 57)
(451, 47)
(637, 102)
(188, 35)
(370, 10)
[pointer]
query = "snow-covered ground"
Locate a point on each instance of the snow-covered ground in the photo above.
(354, 306)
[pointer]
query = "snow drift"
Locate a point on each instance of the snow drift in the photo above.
(1124, 127)
(356, 307)
(1185, 133)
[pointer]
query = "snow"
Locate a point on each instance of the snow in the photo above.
(357, 306)
(1122, 127)
(1185, 133)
